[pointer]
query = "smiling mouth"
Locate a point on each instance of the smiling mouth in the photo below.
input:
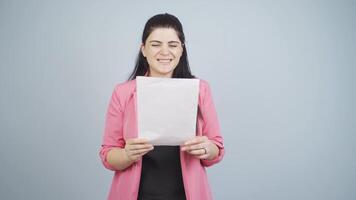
(164, 60)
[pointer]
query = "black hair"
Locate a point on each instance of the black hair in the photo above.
(166, 20)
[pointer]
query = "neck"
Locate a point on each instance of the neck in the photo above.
(152, 74)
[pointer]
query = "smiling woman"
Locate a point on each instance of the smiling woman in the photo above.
(161, 172)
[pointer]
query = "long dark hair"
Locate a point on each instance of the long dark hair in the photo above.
(163, 21)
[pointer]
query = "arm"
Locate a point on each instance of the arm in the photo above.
(209, 147)
(118, 159)
(116, 153)
(211, 128)
(113, 135)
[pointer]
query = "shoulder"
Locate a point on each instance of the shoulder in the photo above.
(204, 91)
(126, 87)
(204, 87)
(124, 90)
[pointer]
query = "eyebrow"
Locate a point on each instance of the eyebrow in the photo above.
(170, 42)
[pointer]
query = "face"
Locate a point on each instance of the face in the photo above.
(162, 50)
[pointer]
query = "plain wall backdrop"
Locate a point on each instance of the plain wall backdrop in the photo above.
(282, 75)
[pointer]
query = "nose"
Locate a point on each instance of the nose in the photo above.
(164, 50)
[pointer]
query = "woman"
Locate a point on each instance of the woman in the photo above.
(161, 172)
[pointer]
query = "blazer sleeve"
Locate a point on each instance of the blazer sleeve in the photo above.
(211, 127)
(113, 132)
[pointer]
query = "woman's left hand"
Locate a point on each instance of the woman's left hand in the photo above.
(201, 147)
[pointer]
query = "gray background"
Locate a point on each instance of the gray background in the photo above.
(282, 75)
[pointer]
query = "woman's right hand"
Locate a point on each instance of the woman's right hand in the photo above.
(135, 148)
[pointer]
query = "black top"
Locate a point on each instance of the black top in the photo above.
(161, 175)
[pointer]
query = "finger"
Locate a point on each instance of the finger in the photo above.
(139, 155)
(197, 152)
(196, 140)
(205, 156)
(140, 151)
(184, 148)
(135, 158)
(195, 146)
(137, 141)
(143, 153)
(140, 146)
(198, 146)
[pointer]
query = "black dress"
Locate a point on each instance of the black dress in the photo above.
(161, 175)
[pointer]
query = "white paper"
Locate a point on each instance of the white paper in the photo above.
(167, 109)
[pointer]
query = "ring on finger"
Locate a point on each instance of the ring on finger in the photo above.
(205, 151)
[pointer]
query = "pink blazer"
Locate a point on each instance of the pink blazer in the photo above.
(121, 124)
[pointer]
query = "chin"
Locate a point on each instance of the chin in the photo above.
(163, 70)
(165, 73)
(166, 70)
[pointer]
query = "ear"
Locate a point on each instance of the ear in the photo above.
(143, 50)
(181, 52)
